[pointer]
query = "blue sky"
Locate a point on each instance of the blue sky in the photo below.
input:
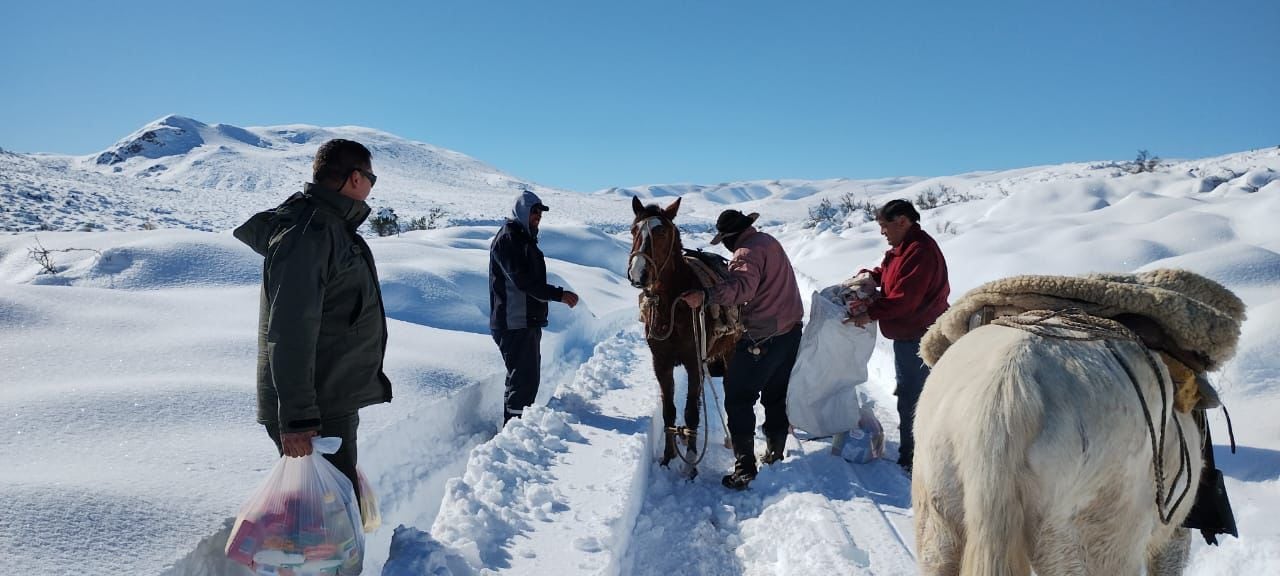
(589, 94)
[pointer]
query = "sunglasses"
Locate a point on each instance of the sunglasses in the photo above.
(370, 176)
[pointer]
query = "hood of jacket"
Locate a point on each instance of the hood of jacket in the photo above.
(524, 207)
(257, 231)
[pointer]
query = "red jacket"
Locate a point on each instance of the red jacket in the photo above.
(913, 287)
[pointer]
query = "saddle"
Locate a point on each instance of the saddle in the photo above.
(711, 269)
(1193, 313)
(1191, 322)
(1186, 368)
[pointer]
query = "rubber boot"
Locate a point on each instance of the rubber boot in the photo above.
(744, 464)
(775, 449)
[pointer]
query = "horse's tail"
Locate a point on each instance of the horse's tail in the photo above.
(1007, 420)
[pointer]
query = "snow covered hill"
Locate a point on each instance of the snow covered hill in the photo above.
(178, 172)
(129, 439)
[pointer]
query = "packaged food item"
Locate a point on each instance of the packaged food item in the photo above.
(303, 520)
(369, 515)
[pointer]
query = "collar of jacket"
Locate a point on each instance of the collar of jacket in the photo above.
(522, 230)
(748, 232)
(915, 234)
(354, 212)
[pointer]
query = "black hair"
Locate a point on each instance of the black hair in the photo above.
(336, 159)
(895, 208)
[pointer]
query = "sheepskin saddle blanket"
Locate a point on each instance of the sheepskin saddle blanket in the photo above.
(1190, 313)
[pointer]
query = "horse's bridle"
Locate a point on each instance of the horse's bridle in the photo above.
(645, 228)
(650, 299)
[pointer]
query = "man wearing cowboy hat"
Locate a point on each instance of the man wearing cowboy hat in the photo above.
(762, 281)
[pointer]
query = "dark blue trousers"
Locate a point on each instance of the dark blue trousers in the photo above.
(911, 373)
(764, 377)
(522, 354)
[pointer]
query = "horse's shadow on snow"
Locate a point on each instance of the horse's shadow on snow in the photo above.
(1248, 464)
(589, 414)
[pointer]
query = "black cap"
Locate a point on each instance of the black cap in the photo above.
(732, 222)
(541, 207)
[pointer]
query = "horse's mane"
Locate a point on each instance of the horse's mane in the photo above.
(651, 211)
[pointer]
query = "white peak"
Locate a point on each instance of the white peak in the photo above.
(173, 135)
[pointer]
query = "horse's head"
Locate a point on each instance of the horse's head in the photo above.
(655, 242)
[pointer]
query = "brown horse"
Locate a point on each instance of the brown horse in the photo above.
(657, 266)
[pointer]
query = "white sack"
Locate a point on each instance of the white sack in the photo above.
(822, 398)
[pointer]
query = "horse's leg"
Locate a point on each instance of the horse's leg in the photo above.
(939, 543)
(693, 400)
(666, 383)
(1171, 558)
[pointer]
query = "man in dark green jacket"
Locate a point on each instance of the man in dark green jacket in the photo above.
(322, 329)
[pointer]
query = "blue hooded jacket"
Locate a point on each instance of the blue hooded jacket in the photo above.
(518, 289)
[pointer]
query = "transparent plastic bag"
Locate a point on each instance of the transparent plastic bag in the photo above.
(302, 520)
(866, 442)
(369, 515)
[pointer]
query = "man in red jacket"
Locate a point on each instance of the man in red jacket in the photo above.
(913, 293)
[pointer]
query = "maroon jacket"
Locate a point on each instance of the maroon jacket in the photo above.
(760, 276)
(913, 287)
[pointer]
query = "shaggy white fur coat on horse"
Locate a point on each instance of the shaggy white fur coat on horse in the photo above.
(1033, 451)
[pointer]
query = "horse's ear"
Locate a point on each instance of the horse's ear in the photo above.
(636, 206)
(671, 210)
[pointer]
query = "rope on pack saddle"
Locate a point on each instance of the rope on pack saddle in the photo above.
(1110, 331)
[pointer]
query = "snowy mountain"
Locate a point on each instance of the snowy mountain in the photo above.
(178, 172)
(129, 439)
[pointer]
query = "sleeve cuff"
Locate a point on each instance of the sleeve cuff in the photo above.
(301, 425)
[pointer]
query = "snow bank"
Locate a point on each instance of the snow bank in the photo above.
(561, 486)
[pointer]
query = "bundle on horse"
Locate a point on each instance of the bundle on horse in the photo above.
(663, 270)
(1056, 431)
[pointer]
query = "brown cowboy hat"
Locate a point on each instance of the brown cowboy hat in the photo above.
(732, 222)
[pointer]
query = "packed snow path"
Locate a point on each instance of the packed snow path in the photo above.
(812, 513)
(575, 487)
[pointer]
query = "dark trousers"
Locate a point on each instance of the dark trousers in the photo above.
(344, 459)
(764, 377)
(522, 354)
(911, 376)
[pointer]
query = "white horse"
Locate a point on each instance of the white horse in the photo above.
(1033, 452)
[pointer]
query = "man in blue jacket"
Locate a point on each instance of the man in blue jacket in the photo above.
(518, 296)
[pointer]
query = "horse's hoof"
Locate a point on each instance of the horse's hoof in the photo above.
(690, 472)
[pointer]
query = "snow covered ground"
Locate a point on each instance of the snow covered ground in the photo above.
(128, 436)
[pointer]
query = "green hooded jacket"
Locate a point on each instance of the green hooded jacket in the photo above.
(322, 330)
